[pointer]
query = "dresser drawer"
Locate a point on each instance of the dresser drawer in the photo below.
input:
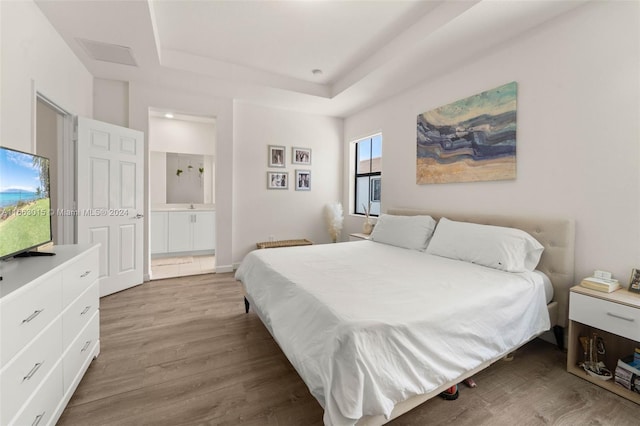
(42, 406)
(25, 373)
(24, 316)
(606, 315)
(81, 349)
(79, 275)
(76, 316)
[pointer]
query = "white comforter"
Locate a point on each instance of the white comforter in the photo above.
(367, 325)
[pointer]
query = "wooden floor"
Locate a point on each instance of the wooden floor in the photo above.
(183, 352)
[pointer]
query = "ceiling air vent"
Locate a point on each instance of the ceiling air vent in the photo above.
(108, 52)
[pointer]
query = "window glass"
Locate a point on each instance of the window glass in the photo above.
(364, 156)
(368, 177)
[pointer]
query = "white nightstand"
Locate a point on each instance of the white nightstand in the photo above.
(358, 236)
(615, 317)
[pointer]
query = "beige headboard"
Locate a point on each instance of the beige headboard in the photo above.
(556, 235)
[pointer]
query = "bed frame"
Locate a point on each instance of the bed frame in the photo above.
(557, 261)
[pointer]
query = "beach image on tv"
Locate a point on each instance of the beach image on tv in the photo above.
(24, 201)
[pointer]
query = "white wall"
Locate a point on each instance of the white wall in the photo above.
(283, 214)
(183, 136)
(35, 58)
(578, 133)
(111, 101)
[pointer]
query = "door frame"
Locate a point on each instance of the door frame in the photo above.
(66, 170)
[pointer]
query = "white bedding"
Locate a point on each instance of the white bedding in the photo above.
(367, 325)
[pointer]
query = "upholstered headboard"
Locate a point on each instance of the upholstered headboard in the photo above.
(556, 235)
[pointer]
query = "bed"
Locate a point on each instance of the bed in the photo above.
(375, 329)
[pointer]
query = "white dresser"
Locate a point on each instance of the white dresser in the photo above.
(49, 332)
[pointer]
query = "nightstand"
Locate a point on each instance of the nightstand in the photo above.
(358, 236)
(615, 317)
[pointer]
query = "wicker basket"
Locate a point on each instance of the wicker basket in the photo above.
(283, 243)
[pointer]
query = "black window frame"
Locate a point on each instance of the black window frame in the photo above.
(370, 175)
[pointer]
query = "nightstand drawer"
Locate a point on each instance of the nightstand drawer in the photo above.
(605, 315)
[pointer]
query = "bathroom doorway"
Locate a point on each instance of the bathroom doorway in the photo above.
(182, 194)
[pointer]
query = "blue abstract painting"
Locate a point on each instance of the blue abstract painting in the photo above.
(470, 140)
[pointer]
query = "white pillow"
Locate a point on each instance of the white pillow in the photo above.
(411, 232)
(507, 249)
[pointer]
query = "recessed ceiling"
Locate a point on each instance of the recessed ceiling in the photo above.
(266, 51)
(288, 38)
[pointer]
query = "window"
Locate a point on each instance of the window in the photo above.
(368, 178)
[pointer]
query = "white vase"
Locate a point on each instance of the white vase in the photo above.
(367, 227)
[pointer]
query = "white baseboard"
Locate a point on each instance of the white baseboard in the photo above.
(220, 269)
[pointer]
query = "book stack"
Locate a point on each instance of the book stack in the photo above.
(628, 372)
(601, 284)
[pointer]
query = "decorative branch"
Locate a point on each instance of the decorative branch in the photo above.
(333, 215)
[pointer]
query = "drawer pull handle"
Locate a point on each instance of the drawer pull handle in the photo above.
(86, 309)
(85, 274)
(33, 371)
(38, 418)
(32, 316)
(86, 346)
(621, 317)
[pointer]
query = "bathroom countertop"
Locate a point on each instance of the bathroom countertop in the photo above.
(183, 207)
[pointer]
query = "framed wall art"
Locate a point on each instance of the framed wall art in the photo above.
(634, 282)
(277, 157)
(277, 180)
(469, 140)
(303, 180)
(301, 156)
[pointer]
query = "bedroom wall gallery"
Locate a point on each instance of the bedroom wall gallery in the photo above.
(283, 214)
(567, 87)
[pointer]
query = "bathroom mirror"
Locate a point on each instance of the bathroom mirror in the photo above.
(178, 178)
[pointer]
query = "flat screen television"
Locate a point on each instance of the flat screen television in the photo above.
(25, 203)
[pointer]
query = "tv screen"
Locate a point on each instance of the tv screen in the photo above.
(25, 204)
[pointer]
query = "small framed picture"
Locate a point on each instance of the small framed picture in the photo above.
(303, 180)
(300, 156)
(277, 180)
(634, 282)
(375, 190)
(276, 156)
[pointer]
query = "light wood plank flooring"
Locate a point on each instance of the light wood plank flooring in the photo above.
(183, 352)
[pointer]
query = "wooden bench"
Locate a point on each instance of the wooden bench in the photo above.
(283, 243)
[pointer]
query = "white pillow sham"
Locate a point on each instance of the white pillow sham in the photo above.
(411, 232)
(507, 249)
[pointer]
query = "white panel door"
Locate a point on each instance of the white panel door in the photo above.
(110, 200)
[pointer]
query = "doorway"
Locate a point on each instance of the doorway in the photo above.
(53, 139)
(182, 194)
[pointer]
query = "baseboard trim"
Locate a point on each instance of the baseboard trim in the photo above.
(220, 269)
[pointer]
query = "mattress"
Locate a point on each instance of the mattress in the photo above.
(367, 325)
